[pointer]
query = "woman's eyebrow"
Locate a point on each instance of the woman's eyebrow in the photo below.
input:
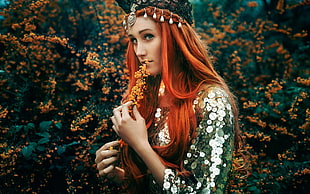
(140, 32)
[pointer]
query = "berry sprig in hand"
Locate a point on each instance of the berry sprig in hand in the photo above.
(136, 93)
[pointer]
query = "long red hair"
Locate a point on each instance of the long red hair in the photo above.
(184, 59)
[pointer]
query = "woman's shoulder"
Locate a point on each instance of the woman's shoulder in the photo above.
(211, 91)
(214, 104)
(211, 97)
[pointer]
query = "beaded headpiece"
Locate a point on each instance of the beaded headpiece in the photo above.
(180, 11)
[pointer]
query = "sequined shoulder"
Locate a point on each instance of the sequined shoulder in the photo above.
(211, 92)
(213, 100)
(210, 154)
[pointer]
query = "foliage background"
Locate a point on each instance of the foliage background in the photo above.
(62, 72)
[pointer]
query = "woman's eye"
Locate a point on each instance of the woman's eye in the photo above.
(133, 40)
(148, 37)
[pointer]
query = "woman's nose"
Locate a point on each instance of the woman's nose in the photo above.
(140, 50)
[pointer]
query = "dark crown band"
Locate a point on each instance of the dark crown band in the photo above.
(159, 15)
(182, 8)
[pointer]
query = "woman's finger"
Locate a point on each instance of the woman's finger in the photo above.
(108, 145)
(106, 171)
(100, 156)
(136, 113)
(106, 162)
(125, 112)
(117, 115)
(114, 121)
(107, 150)
(115, 129)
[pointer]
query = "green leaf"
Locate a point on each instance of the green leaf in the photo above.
(43, 140)
(258, 110)
(93, 149)
(18, 128)
(30, 126)
(27, 151)
(44, 134)
(274, 115)
(72, 143)
(58, 125)
(40, 148)
(253, 188)
(61, 149)
(45, 125)
(33, 145)
(263, 175)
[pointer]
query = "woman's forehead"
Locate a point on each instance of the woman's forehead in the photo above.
(142, 24)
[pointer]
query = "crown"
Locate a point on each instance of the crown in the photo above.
(181, 8)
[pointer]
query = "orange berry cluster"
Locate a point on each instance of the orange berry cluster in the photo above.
(136, 93)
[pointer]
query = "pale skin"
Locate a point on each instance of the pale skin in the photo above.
(146, 38)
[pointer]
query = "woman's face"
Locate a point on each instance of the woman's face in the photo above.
(146, 39)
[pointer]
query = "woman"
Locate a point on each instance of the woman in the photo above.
(182, 136)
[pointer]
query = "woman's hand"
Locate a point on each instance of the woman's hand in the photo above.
(132, 131)
(106, 157)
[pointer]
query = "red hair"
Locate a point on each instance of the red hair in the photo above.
(185, 59)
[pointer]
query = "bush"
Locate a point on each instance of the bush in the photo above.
(62, 72)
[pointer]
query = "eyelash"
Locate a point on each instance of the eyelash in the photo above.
(148, 36)
(145, 37)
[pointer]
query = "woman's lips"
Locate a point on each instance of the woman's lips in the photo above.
(146, 61)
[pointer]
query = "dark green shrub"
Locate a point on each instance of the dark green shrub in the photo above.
(62, 72)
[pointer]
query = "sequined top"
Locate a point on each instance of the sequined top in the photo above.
(210, 154)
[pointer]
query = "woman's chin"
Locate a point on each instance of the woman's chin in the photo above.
(153, 72)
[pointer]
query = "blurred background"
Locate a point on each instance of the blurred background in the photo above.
(62, 72)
